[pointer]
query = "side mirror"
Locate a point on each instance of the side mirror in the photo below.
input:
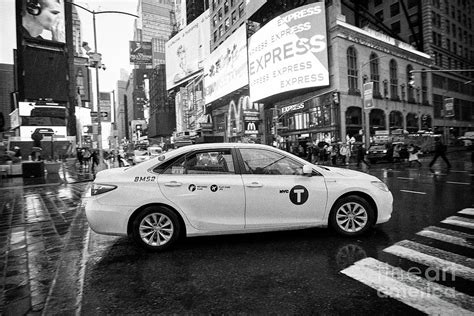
(307, 170)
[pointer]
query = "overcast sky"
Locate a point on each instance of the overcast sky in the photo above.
(114, 31)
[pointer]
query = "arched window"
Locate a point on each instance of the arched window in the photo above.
(393, 80)
(374, 73)
(410, 89)
(424, 88)
(352, 71)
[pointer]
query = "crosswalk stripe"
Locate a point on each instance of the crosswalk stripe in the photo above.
(459, 221)
(442, 254)
(467, 211)
(445, 238)
(410, 283)
(452, 267)
(447, 235)
(419, 293)
(415, 192)
(454, 182)
(422, 291)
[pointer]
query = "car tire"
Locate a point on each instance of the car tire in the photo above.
(373, 161)
(156, 228)
(351, 216)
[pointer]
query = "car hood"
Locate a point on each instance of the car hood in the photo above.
(334, 172)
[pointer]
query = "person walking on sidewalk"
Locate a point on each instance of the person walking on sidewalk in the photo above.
(439, 151)
(361, 156)
(345, 154)
(413, 152)
(94, 160)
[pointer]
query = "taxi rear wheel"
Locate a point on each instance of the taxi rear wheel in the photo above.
(156, 228)
(352, 216)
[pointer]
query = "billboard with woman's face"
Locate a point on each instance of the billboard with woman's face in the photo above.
(43, 20)
(186, 51)
(41, 53)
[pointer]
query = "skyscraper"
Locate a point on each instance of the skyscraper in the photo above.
(155, 26)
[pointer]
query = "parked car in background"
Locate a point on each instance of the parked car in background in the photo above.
(140, 155)
(467, 139)
(154, 151)
(380, 152)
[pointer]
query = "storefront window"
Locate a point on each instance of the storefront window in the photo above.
(316, 117)
(396, 120)
(327, 115)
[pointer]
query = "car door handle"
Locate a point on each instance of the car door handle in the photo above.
(254, 185)
(173, 184)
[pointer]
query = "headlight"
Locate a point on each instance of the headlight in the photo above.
(98, 188)
(379, 184)
(384, 151)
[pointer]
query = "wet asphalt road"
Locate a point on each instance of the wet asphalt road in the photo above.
(297, 272)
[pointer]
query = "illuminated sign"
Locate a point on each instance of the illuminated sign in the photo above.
(186, 51)
(289, 53)
(141, 53)
(226, 68)
(293, 107)
(37, 110)
(42, 20)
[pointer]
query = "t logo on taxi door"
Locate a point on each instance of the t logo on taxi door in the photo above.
(299, 195)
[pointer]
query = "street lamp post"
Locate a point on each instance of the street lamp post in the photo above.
(97, 66)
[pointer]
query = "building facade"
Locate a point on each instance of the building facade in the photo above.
(334, 112)
(442, 29)
(226, 17)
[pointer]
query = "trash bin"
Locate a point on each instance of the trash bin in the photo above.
(32, 169)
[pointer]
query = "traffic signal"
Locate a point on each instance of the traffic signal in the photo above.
(411, 80)
(335, 98)
(87, 129)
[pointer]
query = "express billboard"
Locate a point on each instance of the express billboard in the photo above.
(226, 68)
(186, 51)
(289, 53)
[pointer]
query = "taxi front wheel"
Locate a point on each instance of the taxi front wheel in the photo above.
(351, 216)
(156, 228)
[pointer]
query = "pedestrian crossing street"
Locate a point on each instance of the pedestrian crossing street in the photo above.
(433, 273)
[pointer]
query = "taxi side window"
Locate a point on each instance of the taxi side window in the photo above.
(260, 161)
(203, 162)
(163, 167)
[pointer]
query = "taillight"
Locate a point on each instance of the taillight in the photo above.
(98, 188)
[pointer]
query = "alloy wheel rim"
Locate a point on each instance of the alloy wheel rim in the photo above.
(156, 229)
(352, 217)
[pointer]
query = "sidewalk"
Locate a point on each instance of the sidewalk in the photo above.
(68, 173)
(42, 226)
